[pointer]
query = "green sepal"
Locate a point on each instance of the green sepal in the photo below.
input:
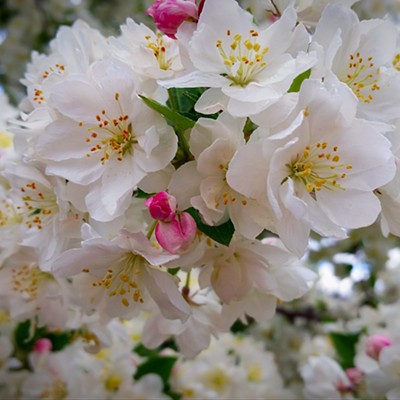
(296, 84)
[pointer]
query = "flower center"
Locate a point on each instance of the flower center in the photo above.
(112, 383)
(8, 215)
(57, 391)
(361, 77)
(125, 281)
(217, 379)
(111, 136)
(159, 48)
(318, 167)
(27, 281)
(38, 96)
(6, 140)
(244, 59)
(58, 69)
(39, 205)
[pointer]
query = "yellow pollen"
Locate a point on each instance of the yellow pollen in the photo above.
(124, 280)
(159, 49)
(316, 170)
(125, 302)
(362, 77)
(28, 280)
(111, 137)
(242, 57)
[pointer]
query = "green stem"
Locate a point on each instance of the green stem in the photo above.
(151, 230)
(187, 283)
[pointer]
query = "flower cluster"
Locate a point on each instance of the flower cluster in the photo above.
(180, 172)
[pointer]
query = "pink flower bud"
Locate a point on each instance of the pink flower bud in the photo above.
(43, 346)
(169, 14)
(177, 234)
(162, 206)
(375, 344)
(355, 375)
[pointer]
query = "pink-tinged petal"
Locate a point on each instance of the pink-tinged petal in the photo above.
(77, 99)
(260, 306)
(248, 158)
(159, 148)
(293, 233)
(196, 79)
(292, 282)
(143, 247)
(350, 209)
(113, 193)
(153, 335)
(177, 234)
(211, 101)
(188, 228)
(164, 291)
(169, 235)
(185, 184)
(52, 145)
(229, 280)
(374, 345)
(96, 256)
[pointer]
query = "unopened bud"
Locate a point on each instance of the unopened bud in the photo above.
(169, 14)
(43, 345)
(177, 234)
(162, 206)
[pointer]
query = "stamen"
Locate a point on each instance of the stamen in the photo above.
(245, 58)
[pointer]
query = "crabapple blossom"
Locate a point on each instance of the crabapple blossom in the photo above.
(162, 187)
(123, 275)
(113, 136)
(250, 276)
(151, 56)
(213, 144)
(351, 55)
(312, 174)
(48, 222)
(247, 69)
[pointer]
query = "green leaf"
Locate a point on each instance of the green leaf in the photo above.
(23, 336)
(178, 121)
(160, 365)
(140, 194)
(25, 339)
(60, 340)
(183, 100)
(221, 233)
(173, 271)
(143, 351)
(296, 84)
(345, 346)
